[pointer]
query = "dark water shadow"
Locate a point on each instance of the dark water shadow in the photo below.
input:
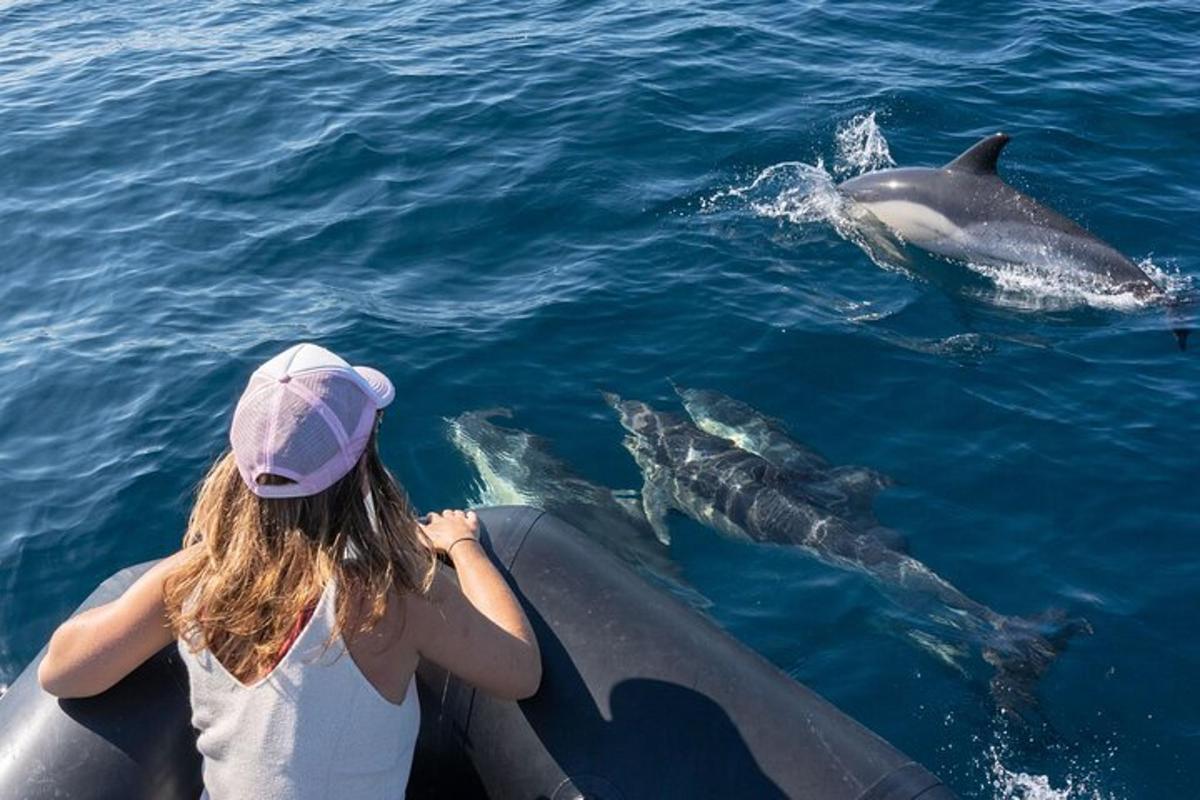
(655, 739)
(146, 717)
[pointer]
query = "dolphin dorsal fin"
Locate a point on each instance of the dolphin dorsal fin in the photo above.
(980, 159)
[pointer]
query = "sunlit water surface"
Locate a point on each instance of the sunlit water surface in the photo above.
(522, 204)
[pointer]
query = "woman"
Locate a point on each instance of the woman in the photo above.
(304, 597)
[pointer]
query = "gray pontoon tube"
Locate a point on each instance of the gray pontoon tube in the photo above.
(642, 698)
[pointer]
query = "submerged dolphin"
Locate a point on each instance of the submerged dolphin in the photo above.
(518, 467)
(966, 212)
(744, 495)
(848, 488)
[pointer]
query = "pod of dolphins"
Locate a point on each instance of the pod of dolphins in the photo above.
(741, 473)
(731, 468)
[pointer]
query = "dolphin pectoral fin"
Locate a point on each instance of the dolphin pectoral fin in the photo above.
(952, 654)
(630, 501)
(1181, 308)
(981, 157)
(883, 245)
(655, 506)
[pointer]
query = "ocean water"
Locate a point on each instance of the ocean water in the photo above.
(521, 204)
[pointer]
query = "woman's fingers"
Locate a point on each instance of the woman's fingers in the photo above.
(449, 525)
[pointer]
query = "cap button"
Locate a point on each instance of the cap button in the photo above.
(285, 378)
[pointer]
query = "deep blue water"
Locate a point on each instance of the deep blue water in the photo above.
(519, 204)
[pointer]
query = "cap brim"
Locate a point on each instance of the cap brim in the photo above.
(380, 386)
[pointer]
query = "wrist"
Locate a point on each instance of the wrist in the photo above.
(456, 542)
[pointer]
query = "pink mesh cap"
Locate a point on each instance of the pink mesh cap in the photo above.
(307, 416)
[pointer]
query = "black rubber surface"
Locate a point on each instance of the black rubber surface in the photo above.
(641, 698)
(134, 741)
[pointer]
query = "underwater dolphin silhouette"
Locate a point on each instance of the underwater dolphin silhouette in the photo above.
(519, 467)
(966, 212)
(745, 496)
(750, 429)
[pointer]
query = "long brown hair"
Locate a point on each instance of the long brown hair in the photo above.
(255, 565)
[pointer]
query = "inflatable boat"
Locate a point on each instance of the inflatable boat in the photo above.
(642, 697)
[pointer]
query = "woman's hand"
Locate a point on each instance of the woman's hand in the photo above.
(450, 527)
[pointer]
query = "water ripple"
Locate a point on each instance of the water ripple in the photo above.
(519, 205)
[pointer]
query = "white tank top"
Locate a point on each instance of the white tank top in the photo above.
(313, 727)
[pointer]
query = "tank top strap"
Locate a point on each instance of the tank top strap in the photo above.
(315, 641)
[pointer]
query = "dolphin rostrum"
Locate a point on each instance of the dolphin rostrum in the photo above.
(965, 211)
(743, 495)
(516, 466)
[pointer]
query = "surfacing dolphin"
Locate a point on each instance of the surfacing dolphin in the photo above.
(518, 467)
(742, 494)
(966, 212)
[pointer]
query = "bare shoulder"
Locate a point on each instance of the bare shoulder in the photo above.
(384, 652)
(151, 583)
(391, 627)
(170, 563)
(443, 595)
(412, 621)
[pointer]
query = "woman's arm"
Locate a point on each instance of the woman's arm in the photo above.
(477, 629)
(92, 651)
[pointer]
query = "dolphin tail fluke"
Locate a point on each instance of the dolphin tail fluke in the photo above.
(1021, 650)
(1181, 308)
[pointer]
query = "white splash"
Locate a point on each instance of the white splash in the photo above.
(1011, 784)
(801, 194)
(791, 190)
(1044, 288)
(861, 147)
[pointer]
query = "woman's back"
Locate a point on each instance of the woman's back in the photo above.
(313, 726)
